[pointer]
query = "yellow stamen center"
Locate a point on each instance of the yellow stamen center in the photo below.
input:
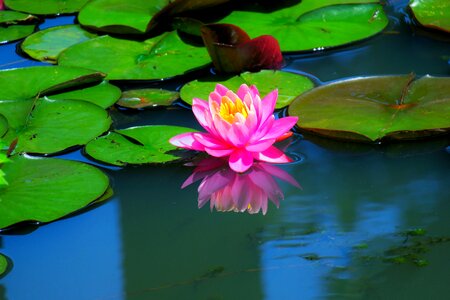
(228, 109)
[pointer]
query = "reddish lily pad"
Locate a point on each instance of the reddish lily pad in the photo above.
(289, 85)
(147, 98)
(432, 13)
(376, 108)
(232, 50)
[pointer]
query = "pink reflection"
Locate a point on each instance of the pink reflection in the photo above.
(228, 190)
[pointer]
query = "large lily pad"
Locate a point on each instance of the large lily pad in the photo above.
(136, 145)
(432, 13)
(46, 7)
(48, 126)
(312, 25)
(26, 83)
(289, 85)
(375, 108)
(15, 25)
(103, 94)
(160, 57)
(120, 16)
(46, 45)
(47, 189)
(147, 98)
(3, 265)
(3, 126)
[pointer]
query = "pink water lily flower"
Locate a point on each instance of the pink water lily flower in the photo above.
(227, 190)
(239, 126)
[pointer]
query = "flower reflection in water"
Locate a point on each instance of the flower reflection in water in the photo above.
(228, 190)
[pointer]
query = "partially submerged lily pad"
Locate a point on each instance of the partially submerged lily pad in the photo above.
(103, 94)
(3, 265)
(45, 45)
(376, 108)
(48, 126)
(432, 13)
(48, 189)
(136, 145)
(314, 25)
(289, 85)
(147, 98)
(46, 7)
(160, 57)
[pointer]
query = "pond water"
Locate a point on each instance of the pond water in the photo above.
(369, 222)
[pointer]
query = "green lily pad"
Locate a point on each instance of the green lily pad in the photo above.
(15, 32)
(3, 265)
(46, 7)
(147, 98)
(26, 83)
(10, 17)
(3, 125)
(48, 189)
(118, 16)
(103, 94)
(376, 108)
(160, 57)
(46, 45)
(48, 126)
(136, 145)
(314, 25)
(432, 13)
(289, 85)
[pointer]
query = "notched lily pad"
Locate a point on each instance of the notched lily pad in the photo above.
(136, 145)
(432, 13)
(289, 85)
(314, 25)
(46, 7)
(45, 45)
(147, 98)
(160, 57)
(44, 190)
(376, 108)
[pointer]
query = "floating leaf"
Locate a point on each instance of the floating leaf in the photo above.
(103, 94)
(49, 126)
(375, 108)
(160, 57)
(47, 189)
(9, 17)
(3, 265)
(289, 85)
(3, 125)
(136, 145)
(145, 98)
(46, 45)
(432, 13)
(232, 50)
(26, 83)
(312, 24)
(46, 7)
(118, 16)
(15, 32)
(15, 25)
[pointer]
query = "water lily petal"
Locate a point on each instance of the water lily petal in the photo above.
(242, 91)
(221, 89)
(260, 146)
(240, 160)
(209, 141)
(186, 141)
(202, 113)
(281, 126)
(272, 155)
(268, 104)
(219, 152)
(212, 184)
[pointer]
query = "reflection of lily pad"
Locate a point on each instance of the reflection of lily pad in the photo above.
(103, 94)
(49, 126)
(159, 57)
(46, 45)
(147, 98)
(26, 83)
(373, 108)
(432, 13)
(136, 145)
(3, 265)
(313, 24)
(289, 85)
(47, 189)
(120, 16)
(46, 7)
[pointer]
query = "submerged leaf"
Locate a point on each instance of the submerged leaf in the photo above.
(3, 260)
(147, 98)
(376, 108)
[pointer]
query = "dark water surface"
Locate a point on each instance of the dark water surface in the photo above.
(370, 222)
